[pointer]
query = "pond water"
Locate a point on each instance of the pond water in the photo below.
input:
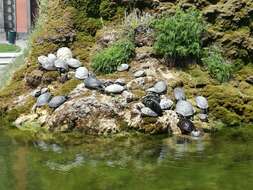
(140, 162)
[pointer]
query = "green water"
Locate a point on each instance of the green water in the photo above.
(140, 162)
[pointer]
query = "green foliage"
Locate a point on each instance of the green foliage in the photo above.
(179, 36)
(217, 65)
(8, 48)
(107, 9)
(110, 58)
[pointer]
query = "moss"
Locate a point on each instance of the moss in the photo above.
(107, 9)
(50, 76)
(82, 46)
(67, 87)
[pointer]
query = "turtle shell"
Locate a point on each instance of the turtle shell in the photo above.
(179, 94)
(184, 108)
(186, 126)
(57, 101)
(43, 99)
(201, 102)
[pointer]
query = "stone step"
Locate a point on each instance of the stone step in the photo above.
(9, 55)
(5, 61)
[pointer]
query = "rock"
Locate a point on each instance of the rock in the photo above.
(34, 78)
(108, 126)
(148, 112)
(249, 80)
(168, 122)
(93, 83)
(120, 81)
(166, 104)
(81, 73)
(184, 108)
(43, 99)
(64, 53)
(61, 65)
(24, 119)
(140, 73)
(88, 114)
(128, 96)
(203, 117)
(123, 67)
(201, 102)
(57, 101)
(73, 63)
(179, 94)
(159, 88)
(114, 88)
(186, 126)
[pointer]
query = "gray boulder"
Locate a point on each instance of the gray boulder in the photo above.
(123, 67)
(148, 112)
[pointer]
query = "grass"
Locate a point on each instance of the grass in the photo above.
(5, 48)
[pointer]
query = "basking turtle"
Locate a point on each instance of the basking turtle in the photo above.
(61, 65)
(81, 73)
(186, 126)
(73, 63)
(202, 103)
(64, 53)
(160, 87)
(184, 108)
(46, 64)
(152, 101)
(93, 83)
(179, 94)
(57, 101)
(43, 99)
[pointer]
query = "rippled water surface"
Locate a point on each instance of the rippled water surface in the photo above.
(141, 163)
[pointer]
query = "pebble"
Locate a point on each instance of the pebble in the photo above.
(114, 88)
(140, 73)
(203, 117)
(120, 81)
(148, 112)
(123, 67)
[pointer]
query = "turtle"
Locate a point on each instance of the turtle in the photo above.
(64, 53)
(160, 87)
(73, 63)
(186, 126)
(51, 58)
(93, 83)
(179, 93)
(43, 99)
(57, 101)
(202, 103)
(46, 64)
(184, 108)
(81, 73)
(61, 65)
(152, 101)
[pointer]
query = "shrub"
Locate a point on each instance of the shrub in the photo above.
(110, 58)
(217, 66)
(179, 36)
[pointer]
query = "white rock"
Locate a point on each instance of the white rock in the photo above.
(128, 96)
(43, 59)
(123, 67)
(114, 88)
(120, 81)
(148, 112)
(64, 53)
(140, 73)
(81, 73)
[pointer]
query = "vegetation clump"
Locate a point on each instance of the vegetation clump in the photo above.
(179, 36)
(216, 65)
(110, 58)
